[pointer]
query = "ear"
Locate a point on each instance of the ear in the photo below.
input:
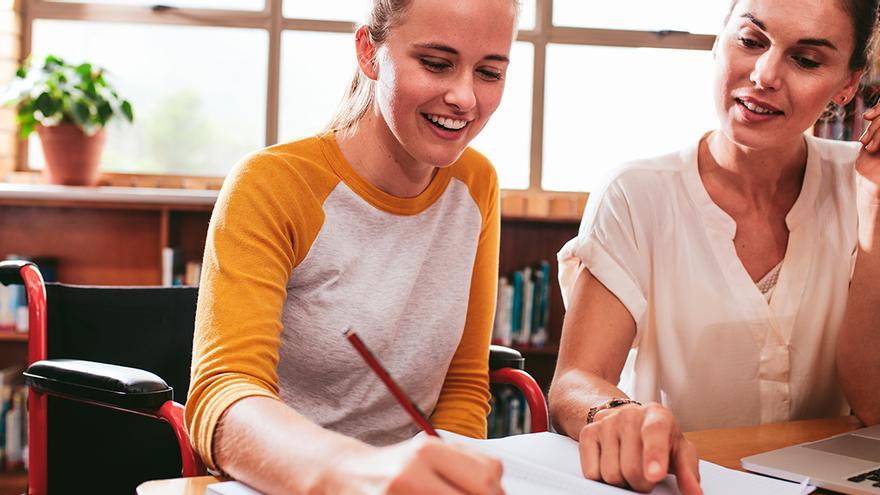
(849, 90)
(366, 53)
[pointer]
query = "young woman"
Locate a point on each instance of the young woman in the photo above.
(386, 223)
(719, 279)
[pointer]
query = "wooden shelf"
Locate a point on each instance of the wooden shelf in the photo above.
(7, 336)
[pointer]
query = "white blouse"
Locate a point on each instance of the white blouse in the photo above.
(708, 344)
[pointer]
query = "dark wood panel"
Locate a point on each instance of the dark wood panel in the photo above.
(188, 230)
(526, 243)
(110, 247)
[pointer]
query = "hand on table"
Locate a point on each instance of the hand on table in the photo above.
(636, 446)
(423, 465)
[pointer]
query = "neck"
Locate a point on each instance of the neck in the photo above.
(758, 176)
(378, 157)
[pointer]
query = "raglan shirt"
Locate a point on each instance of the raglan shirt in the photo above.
(708, 344)
(300, 248)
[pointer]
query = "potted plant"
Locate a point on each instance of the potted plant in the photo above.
(68, 106)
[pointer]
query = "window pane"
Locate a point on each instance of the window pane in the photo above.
(330, 10)
(695, 16)
(199, 94)
(313, 81)
(190, 4)
(607, 105)
(356, 11)
(527, 14)
(506, 139)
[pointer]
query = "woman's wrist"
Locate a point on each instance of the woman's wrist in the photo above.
(333, 470)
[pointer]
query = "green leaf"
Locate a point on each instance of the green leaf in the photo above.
(127, 111)
(84, 70)
(21, 72)
(81, 113)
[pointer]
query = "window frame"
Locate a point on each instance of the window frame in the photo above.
(272, 20)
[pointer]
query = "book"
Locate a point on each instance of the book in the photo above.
(549, 464)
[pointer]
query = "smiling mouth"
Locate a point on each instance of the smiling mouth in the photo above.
(758, 108)
(446, 123)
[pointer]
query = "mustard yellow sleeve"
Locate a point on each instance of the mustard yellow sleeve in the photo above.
(259, 230)
(464, 399)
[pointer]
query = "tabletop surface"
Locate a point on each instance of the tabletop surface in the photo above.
(723, 446)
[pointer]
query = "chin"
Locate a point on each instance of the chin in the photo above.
(443, 157)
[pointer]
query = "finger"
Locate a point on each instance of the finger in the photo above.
(870, 132)
(873, 144)
(631, 448)
(686, 467)
(588, 445)
(657, 429)
(873, 112)
(609, 454)
(467, 471)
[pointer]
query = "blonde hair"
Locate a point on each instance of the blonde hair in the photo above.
(384, 15)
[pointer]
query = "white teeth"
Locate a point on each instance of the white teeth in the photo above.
(451, 124)
(755, 108)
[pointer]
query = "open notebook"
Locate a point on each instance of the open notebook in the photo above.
(548, 464)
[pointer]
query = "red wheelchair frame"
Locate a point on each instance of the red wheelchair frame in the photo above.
(66, 378)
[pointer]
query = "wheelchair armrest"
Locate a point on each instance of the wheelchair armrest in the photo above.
(10, 271)
(108, 385)
(504, 357)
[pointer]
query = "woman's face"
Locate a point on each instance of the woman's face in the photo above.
(440, 74)
(778, 64)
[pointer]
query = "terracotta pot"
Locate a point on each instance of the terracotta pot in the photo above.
(72, 157)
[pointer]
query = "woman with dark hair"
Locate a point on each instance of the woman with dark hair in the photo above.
(387, 222)
(732, 282)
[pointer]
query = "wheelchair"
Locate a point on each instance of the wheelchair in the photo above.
(104, 367)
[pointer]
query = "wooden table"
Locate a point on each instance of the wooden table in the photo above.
(724, 446)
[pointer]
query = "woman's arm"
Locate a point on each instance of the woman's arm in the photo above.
(271, 447)
(630, 445)
(464, 399)
(858, 343)
(596, 337)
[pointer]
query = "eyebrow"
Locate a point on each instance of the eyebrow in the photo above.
(453, 51)
(805, 41)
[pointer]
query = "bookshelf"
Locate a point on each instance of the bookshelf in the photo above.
(115, 235)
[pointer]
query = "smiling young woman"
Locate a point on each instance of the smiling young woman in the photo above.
(714, 284)
(387, 222)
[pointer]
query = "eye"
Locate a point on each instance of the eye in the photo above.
(749, 42)
(434, 65)
(491, 74)
(805, 62)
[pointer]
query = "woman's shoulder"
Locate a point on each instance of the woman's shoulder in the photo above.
(655, 174)
(841, 153)
(288, 162)
(475, 170)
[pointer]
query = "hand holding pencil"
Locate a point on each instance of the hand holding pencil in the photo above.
(423, 465)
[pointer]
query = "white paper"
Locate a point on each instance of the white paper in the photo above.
(547, 463)
(230, 488)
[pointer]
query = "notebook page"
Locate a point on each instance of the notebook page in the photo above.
(552, 461)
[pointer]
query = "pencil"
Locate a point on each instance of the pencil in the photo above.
(411, 408)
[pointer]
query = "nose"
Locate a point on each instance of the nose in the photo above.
(767, 71)
(460, 93)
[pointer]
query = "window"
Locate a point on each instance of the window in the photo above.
(591, 83)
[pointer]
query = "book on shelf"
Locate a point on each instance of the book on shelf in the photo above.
(176, 270)
(13, 298)
(522, 308)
